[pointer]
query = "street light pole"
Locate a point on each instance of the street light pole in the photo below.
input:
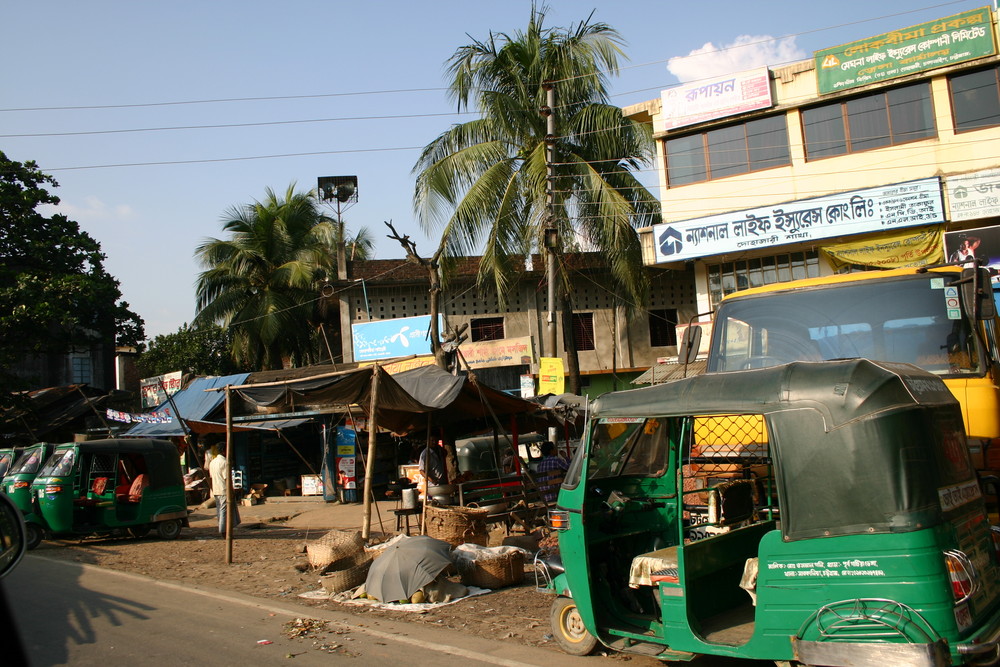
(551, 231)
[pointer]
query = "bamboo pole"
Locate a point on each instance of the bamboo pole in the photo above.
(229, 477)
(370, 458)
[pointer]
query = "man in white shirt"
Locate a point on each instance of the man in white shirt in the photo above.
(218, 470)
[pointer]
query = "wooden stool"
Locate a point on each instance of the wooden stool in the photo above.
(403, 516)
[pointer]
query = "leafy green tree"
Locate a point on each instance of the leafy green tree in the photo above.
(55, 294)
(485, 181)
(200, 351)
(262, 282)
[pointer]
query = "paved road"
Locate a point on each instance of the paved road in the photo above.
(81, 615)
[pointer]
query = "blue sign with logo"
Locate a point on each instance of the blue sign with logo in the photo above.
(385, 339)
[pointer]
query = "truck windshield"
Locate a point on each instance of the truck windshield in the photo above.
(905, 319)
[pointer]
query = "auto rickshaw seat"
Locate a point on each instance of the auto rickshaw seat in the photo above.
(138, 485)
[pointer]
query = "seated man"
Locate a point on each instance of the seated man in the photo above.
(551, 470)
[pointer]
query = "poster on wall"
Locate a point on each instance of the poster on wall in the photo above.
(551, 376)
(983, 243)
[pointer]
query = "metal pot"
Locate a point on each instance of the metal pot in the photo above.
(443, 499)
(442, 490)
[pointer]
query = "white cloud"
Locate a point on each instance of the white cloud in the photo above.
(94, 210)
(745, 52)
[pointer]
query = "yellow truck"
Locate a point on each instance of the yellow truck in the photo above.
(942, 319)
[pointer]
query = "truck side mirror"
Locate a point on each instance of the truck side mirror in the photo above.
(977, 293)
(13, 535)
(690, 343)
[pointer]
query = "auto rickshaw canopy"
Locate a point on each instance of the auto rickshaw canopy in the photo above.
(892, 431)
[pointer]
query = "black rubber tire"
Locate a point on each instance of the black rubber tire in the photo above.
(140, 531)
(34, 535)
(169, 529)
(568, 628)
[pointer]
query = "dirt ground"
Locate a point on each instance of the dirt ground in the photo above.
(265, 557)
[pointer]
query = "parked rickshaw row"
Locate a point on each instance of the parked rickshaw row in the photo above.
(97, 487)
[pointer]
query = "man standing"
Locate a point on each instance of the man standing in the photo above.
(218, 470)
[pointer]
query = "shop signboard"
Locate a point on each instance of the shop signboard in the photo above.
(946, 41)
(973, 196)
(155, 390)
(702, 101)
(856, 212)
(551, 376)
(493, 353)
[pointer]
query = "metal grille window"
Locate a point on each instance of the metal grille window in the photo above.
(663, 327)
(486, 328)
(735, 149)
(730, 277)
(863, 123)
(583, 331)
(975, 99)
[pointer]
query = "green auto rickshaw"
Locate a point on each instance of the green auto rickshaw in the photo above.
(17, 484)
(817, 513)
(7, 457)
(111, 487)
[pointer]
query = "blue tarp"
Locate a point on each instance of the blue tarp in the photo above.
(193, 403)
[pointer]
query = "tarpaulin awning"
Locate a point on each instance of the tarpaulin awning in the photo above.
(404, 399)
(203, 427)
(193, 403)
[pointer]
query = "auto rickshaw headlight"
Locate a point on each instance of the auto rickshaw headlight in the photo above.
(558, 519)
(21, 484)
(51, 489)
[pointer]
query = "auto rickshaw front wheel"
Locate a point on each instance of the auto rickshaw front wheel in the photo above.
(169, 529)
(35, 535)
(568, 629)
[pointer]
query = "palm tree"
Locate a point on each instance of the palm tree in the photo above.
(485, 180)
(262, 282)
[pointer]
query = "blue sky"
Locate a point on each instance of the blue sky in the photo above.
(368, 76)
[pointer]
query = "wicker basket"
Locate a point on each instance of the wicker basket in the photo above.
(497, 571)
(354, 573)
(457, 525)
(332, 547)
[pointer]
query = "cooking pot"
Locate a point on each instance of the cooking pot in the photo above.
(442, 490)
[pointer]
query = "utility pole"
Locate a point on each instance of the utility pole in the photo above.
(551, 232)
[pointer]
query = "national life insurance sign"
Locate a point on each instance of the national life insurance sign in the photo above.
(857, 212)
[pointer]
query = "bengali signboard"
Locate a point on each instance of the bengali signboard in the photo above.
(154, 390)
(973, 196)
(551, 376)
(491, 353)
(946, 41)
(385, 339)
(856, 212)
(701, 101)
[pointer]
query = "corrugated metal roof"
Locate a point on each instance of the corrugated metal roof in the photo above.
(671, 370)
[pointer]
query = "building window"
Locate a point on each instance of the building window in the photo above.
(896, 116)
(82, 370)
(726, 151)
(583, 331)
(486, 328)
(663, 327)
(975, 100)
(732, 277)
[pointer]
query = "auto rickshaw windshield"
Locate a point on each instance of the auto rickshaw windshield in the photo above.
(59, 464)
(27, 463)
(628, 446)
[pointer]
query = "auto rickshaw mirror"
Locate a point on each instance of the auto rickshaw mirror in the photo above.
(690, 343)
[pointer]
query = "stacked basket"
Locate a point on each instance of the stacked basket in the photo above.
(457, 525)
(342, 559)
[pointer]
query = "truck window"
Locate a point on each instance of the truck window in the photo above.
(904, 319)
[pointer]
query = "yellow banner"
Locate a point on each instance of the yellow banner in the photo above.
(892, 250)
(551, 377)
(400, 366)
